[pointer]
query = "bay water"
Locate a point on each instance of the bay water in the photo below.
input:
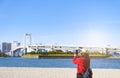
(56, 63)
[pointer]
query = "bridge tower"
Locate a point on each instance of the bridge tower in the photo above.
(27, 41)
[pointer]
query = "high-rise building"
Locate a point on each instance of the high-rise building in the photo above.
(15, 44)
(6, 47)
(0, 48)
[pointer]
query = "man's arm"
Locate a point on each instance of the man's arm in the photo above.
(74, 59)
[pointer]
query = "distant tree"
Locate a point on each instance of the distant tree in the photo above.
(3, 54)
(69, 52)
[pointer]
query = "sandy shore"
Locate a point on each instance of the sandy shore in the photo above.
(18, 72)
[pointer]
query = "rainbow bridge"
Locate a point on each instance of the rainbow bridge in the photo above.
(20, 50)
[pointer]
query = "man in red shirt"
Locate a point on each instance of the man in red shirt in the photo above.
(80, 66)
(83, 62)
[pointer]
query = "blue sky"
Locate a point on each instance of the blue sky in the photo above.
(67, 22)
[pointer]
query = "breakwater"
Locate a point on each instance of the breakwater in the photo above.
(47, 57)
(58, 57)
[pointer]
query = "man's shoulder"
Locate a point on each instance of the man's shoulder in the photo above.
(80, 58)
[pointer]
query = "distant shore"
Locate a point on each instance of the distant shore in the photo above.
(61, 56)
(114, 57)
(29, 72)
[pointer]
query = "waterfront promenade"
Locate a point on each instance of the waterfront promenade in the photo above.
(25, 72)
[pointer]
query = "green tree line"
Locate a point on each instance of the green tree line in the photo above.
(2, 54)
(50, 52)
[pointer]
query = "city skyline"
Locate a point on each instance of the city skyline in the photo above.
(79, 22)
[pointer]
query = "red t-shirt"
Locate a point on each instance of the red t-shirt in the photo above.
(86, 63)
(80, 65)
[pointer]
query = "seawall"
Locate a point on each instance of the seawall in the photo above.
(57, 57)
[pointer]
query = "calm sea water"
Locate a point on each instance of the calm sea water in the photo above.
(53, 63)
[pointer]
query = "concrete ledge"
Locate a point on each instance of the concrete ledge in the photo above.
(30, 56)
(18, 72)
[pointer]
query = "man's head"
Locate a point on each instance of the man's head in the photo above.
(84, 53)
(84, 50)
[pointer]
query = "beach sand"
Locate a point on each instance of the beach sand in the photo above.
(28, 72)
